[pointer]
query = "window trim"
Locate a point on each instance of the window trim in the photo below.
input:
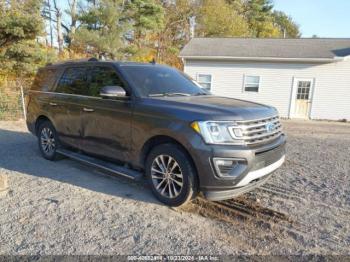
(205, 74)
(245, 82)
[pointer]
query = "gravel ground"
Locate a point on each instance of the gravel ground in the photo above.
(64, 207)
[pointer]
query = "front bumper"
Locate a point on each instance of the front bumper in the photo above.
(259, 163)
(227, 194)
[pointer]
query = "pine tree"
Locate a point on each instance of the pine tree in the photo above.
(20, 26)
(260, 18)
(102, 29)
(286, 25)
(146, 17)
(19, 21)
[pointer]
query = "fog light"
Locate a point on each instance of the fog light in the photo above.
(224, 167)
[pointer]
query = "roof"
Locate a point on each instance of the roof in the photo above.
(300, 49)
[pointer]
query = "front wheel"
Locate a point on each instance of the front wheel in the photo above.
(48, 140)
(171, 175)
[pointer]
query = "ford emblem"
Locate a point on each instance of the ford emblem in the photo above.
(270, 127)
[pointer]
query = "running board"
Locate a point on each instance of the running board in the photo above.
(101, 164)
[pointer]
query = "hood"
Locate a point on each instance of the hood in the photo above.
(212, 108)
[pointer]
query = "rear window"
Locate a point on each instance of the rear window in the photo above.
(44, 79)
(74, 81)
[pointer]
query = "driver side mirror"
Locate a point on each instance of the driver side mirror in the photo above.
(112, 92)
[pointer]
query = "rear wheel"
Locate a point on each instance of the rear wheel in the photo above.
(171, 175)
(48, 140)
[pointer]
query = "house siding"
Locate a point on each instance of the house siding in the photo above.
(331, 92)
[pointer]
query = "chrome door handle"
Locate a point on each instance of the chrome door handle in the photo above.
(52, 104)
(88, 109)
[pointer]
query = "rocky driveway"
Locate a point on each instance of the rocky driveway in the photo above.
(64, 207)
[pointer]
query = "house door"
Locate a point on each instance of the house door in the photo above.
(302, 96)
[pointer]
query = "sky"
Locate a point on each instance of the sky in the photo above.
(324, 18)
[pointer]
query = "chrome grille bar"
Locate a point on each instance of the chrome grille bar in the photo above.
(255, 131)
(262, 135)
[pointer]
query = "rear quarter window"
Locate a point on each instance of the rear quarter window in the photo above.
(44, 79)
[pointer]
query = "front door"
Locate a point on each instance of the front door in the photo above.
(106, 123)
(302, 103)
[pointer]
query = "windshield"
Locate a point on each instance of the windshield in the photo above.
(162, 81)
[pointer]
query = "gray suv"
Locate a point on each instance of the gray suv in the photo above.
(151, 120)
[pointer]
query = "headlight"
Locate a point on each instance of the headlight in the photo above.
(217, 132)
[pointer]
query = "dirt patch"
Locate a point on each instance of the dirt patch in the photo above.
(240, 209)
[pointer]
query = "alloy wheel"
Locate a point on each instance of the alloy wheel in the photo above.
(47, 141)
(167, 176)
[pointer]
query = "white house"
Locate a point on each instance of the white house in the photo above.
(302, 78)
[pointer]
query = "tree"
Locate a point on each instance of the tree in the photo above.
(72, 12)
(176, 31)
(147, 19)
(19, 21)
(286, 25)
(20, 25)
(102, 29)
(260, 18)
(21, 60)
(58, 14)
(146, 16)
(221, 19)
(47, 14)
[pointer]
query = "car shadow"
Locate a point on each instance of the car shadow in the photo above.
(19, 152)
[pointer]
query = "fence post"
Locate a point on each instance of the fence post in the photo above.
(23, 102)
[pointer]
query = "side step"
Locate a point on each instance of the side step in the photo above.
(101, 164)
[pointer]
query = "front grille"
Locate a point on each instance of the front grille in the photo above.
(257, 131)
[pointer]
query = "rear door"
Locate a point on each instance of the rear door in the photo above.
(106, 123)
(39, 96)
(66, 107)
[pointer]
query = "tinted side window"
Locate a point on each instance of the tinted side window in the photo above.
(102, 76)
(44, 79)
(73, 81)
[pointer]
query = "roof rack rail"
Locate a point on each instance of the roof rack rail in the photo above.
(92, 59)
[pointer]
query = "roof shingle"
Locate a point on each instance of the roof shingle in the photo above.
(302, 48)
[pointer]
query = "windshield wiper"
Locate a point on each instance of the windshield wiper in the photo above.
(178, 94)
(168, 94)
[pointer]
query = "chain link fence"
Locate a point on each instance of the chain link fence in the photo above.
(11, 103)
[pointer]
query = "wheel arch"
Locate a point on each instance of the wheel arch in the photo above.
(39, 120)
(159, 140)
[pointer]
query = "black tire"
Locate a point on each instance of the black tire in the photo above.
(47, 131)
(189, 188)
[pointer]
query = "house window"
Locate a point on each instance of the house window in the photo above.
(204, 81)
(251, 83)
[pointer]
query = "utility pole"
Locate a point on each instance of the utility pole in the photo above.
(59, 27)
